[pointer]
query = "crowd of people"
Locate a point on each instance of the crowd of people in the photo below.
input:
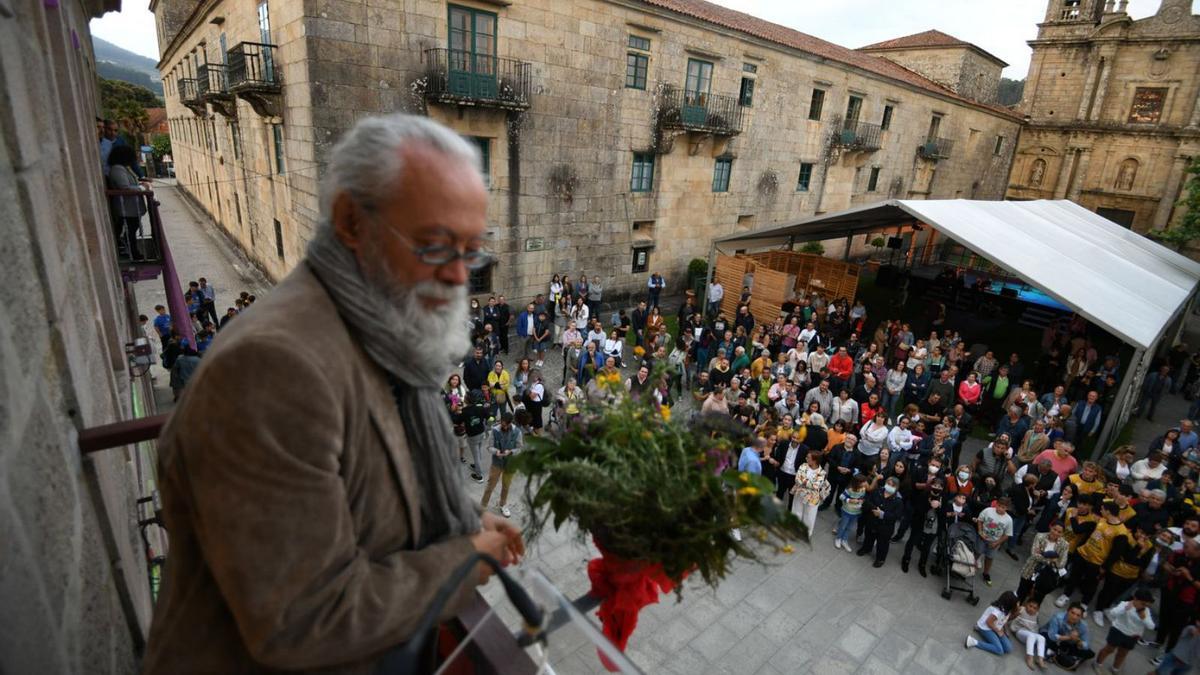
(176, 354)
(872, 426)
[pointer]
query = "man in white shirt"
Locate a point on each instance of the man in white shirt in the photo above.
(787, 469)
(716, 293)
(807, 334)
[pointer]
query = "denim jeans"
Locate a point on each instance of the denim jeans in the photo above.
(989, 641)
(846, 525)
(1018, 525)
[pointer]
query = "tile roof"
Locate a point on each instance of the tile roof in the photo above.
(929, 38)
(787, 37)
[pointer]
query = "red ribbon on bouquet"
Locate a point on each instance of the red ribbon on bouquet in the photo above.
(624, 587)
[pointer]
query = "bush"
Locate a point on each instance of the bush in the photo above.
(698, 267)
(813, 247)
(879, 242)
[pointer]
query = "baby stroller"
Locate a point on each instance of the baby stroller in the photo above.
(957, 558)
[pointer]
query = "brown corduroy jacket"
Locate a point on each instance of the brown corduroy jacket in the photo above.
(291, 503)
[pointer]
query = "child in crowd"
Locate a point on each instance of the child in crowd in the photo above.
(1025, 626)
(852, 501)
(993, 624)
(1129, 620)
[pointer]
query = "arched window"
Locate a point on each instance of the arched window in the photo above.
(1037, 172)
(1126, 174)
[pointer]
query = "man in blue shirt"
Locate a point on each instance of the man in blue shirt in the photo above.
(751, 458)
(162, 323)
(1067, 636)
(750, 461)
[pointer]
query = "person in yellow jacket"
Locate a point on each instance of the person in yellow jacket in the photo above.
(1089, 480)
(1130, 557)
(1080, 522)
(499, 381)
(1094, 554)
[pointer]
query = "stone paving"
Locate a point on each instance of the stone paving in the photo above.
(819, 610)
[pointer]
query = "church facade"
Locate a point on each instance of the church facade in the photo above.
(1112, 110)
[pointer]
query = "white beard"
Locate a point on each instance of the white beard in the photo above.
(440, 335)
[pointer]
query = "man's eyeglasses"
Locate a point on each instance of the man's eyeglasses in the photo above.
(436, 255)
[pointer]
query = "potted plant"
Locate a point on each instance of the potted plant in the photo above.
(873, 260)
(659, 497)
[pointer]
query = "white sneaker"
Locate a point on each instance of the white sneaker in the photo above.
(1062, 600)
(971, 642)
(1098, 617)
(736, 533)
(504, 510)
(837, 543)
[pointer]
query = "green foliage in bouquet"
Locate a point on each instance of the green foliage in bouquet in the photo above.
(653, 489)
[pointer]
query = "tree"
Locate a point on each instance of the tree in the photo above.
(126, 104)
(161, 144)
(1188, 229)
(1010, 91)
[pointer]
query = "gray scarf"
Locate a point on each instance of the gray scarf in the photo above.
(446, 510)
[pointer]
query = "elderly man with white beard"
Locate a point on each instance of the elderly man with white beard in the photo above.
(307, 475)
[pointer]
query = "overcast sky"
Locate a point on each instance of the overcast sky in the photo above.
(999, 26)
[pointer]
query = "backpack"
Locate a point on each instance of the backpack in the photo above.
(962, 559)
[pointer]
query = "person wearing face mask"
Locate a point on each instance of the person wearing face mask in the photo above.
(960, 482)
(927, 501)
(881, 511)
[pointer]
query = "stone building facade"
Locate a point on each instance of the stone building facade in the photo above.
(952, 63)
(1113, 110)
(74, 591)
(619, 136)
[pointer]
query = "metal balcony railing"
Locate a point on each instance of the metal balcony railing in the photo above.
(213, 80)
(856, 135)
(695, 111)
(252, 66)
(189, 90)
(936, 148)
(466, 78)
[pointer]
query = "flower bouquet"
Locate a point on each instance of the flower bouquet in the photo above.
(659, 497)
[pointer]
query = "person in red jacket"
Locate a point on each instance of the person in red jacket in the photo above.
(841, 367)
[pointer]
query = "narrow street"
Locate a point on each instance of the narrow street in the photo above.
(199, 250)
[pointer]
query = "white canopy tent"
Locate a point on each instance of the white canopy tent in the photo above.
(1119, 280)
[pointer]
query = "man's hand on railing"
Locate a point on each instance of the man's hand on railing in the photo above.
(499, 539)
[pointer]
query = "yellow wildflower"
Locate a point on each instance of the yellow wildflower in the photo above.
(744, 477)
(666, 413)
(647, 435)
(749, 490)
(639, 351)
(788, 549)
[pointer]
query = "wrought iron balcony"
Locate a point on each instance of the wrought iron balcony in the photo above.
(694, 111)
(464, 78)
(858, 136)
(190, 96)
(936, 148)
(252, 74)
(213, 83)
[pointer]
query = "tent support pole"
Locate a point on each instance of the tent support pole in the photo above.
(1109, 429)
(712, 256)
(849, 243)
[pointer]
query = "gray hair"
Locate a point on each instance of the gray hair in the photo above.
(1157, 493)
(366, 162)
